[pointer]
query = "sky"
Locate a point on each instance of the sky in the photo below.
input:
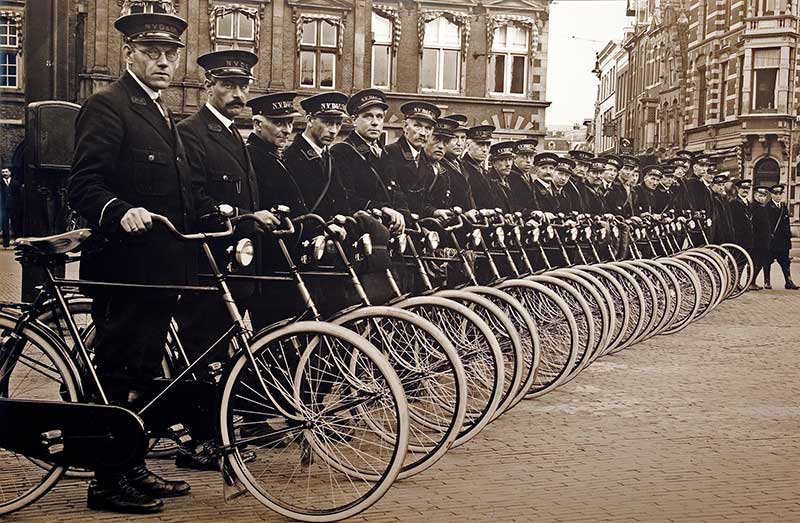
(571, 86)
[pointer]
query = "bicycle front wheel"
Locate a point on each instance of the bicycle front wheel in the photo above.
(311, 420)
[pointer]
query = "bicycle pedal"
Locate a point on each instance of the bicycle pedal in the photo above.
(215, 371)
(53, 441)
(179, 434)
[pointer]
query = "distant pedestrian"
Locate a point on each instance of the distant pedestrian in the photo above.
(6, 205)
(780, 237)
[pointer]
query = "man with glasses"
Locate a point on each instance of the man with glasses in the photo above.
(128, 163)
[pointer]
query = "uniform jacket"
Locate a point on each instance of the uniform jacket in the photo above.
(406, 171)
(437, 193)
(369, 181)
(521, 193)
(780, 233)
(460, 190)
(619, 201)
(317, 178)
(723, 230)
(543, 197)
(644, 200)
(593, 202)
(567, 199)
(501, 191)
(699, 196)
(221, 165)
(666, 199)
(126, 155)
(742, 222)
(761, 227)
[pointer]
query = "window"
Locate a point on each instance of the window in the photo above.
(147, 6)
(441, 56)
(318, 48)
(765, 7)
(766, 172)
(9, 48)
(235, 28)
(508, 63)
(702, 88)
(382, 33)
(766, 63)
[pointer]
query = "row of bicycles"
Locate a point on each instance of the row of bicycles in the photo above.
(317, 417)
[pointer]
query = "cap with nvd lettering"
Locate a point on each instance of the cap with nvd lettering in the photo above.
(526, 146)
(743, 184)
(275, 105)
(231, 63)
(565, 165)
(720, 178)
(654, 170)
(501, 150)
(158, 28)
(462, 121)
(581, 157)
(480, 133)
(615, 161)
(445, 128)
(420, 110)
(542, 159)
(777, 189)
(761, 189)
(598, 164)
(326, 104)
(366, 98)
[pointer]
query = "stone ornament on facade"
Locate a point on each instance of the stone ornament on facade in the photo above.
(219, 11)
(393, 15)
(17, 18)
(300, 19)
(460, 19)
(168, 6)
(494, 22)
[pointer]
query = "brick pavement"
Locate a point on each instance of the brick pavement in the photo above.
(697, 426)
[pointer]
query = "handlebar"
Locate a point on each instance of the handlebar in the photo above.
(163, 220)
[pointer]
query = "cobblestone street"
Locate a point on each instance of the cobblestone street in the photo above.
(703, 425)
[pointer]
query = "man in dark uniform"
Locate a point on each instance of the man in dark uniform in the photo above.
(129, 162)
(619, 198)
(666, 196)
(613, 165)
(780, 237)
(498, 196)
(698, 190)
(723, 230)
(436, 181)
(361, 161)
(565, 195)
(220, 163)
(404, 158)
(479, 139)
(583, 160)
(460, 190)
(541, 177)
(590, 187)
(742, 218)
(645, 195)
(308, 158)
(761, 234)
(520, 179)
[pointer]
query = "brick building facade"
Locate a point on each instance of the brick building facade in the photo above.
(12, 78)
(486, 59)
(719, 76)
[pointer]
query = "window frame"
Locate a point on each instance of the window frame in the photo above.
(11, 50)
(509, 52)
(235, 40)
(440, 48)
(318, 48)
(754, 80)
(391, 66)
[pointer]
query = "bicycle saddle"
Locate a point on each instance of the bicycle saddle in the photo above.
(56, 244)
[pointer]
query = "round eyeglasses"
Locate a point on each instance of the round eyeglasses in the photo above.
(154, 53)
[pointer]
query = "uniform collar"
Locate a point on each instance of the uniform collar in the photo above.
(317, 149)
(226, 122)
(153, 95)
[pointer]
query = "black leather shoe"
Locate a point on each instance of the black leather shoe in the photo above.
(148, 483)
(768, 286)
(203, 458)
(121, 496)
(790, 286)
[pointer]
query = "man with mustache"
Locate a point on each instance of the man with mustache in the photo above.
(590, 187)
(479, 139)
(780, 237)
(542, 173)
(498, 196)
(723, 230)
(742, 218)
(221, 165)
(761, 235)
(619, 198)
(666, 197)
(437, 180)
(404, 157)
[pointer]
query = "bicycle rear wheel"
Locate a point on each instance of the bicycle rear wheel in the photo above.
(325, 392)
(33, 366)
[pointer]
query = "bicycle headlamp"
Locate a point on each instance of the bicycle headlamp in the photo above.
(517, 233)
(500, 236)
(476, 237)
(401, 242)
(244, 252)
(551, 232)
(432, 240)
